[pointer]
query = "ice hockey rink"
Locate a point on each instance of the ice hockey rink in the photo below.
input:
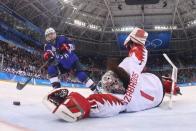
(32, 115)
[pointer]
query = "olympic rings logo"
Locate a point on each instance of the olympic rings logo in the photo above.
(154, 43)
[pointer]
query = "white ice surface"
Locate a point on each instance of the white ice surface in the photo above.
(34, 116)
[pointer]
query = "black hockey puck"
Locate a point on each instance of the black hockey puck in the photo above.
(17, 103)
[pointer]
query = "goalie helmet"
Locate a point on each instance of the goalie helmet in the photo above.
(111, 83)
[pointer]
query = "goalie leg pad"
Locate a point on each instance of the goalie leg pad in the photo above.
(70, 107)
(74, 108)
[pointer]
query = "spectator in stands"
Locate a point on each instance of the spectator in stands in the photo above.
(21, 62)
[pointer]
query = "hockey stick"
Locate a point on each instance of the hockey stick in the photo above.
(20, 86)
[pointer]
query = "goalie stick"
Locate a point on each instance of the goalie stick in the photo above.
(20, 86)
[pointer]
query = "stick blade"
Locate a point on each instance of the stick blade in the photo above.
(19, 86)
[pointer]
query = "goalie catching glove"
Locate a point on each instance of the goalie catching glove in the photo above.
(73, 106)
(167, 84)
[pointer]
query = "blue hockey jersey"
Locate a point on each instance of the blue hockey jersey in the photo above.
(66, 59)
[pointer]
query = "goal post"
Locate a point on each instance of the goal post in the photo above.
(173, 77)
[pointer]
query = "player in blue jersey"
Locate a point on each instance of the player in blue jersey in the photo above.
(59, 52)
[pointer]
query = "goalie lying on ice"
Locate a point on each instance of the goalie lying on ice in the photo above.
(127, 88)
(73, 106)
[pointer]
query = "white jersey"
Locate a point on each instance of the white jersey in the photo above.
(148, 94)
(144, 91)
